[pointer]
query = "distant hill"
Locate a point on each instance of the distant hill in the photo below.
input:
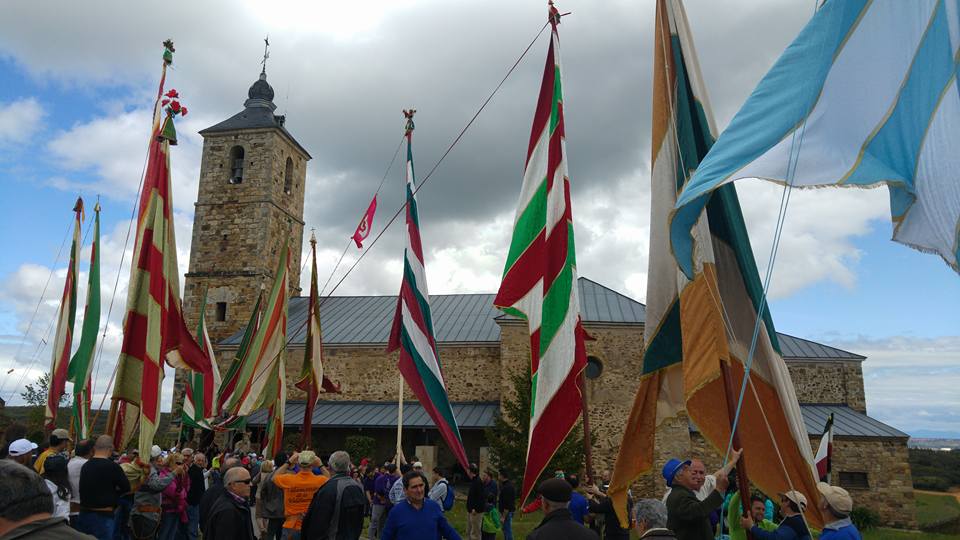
(21, 414)
(934, 444)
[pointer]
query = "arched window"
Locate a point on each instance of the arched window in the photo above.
(236, 165)
(288, 177)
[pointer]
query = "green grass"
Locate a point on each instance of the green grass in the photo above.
(895, 534)
(935, 508)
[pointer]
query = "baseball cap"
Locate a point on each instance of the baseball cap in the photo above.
(798, 498)
(838, 498)
(556, 489)
(61, 434)
(307, 457)
(418, 464)
(670, 469)
(20, 447)
(155, 451)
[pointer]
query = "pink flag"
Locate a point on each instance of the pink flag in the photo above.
(363, 229)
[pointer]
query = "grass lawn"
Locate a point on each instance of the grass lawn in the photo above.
(896, 534)
(932, 507)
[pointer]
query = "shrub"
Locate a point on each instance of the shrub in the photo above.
(359, 447)
(865, 518)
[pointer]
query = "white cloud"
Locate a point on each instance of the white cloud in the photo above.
(20, 120)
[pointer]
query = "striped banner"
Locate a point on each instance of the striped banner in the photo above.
(200, 388)
(81, 365)
(66, 317)
(824, 457)
(412, 330)
(229, 385)
(540, 278)
(154, 331)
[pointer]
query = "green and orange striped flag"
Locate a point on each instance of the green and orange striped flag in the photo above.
(699, 328)
(229, 384)
(154, 331)
(540, 278)
(260, 378)
(66, 317)
(81, 365)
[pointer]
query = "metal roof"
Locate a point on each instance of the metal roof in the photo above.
(479, 415)
(471, 318)
(793, 347)
(846, 422)
(376, 414)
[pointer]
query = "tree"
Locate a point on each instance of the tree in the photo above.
(36, 396)
(510, 432)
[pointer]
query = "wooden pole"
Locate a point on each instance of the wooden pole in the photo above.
(399, 458)
(585, 410)
(742, 480)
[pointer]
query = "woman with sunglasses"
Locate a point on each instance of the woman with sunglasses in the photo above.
(173, 524)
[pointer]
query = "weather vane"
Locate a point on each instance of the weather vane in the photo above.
(266, 53)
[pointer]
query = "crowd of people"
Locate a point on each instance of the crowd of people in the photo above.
(88, 489)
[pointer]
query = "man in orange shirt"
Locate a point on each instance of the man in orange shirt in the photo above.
(298, 489)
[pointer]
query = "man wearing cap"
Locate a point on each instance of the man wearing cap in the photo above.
(298, 489)
(21, 451)
(146, 512)
(793, 527)
(837, 504)
(687, 516)
(554, 495)
(102, 482)
(58, 445)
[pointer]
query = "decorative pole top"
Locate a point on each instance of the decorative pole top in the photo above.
(266, 54)
(408, 114)
(168, 51)
(313, 237)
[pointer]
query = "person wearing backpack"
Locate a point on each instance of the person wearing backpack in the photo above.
(490, 524)
(442, 492)
(337, 509)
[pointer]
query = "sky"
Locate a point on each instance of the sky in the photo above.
(76, 88)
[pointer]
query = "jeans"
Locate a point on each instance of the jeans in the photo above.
(171, 528)
(193, 521)
(121, 529)
(378, 518)
(508, 526)
(291, 534)
(98, 524)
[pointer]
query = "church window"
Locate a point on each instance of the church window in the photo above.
(236, 165)
(221, 311)
(594, 367)
(288, 177)
(854, 480)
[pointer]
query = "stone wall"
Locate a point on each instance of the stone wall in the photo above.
(890, 491)
(837, 382)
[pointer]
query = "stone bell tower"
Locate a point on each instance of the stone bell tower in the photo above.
(252, 179)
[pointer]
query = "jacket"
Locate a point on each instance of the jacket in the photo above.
(174, 500)
(229, 519)
(210, 498)
(791, 528)
(843, 529)
(404, 522)
(198, 485)
(689, 517)
(336, 511)
(611, 523)
(51, 528)
(658, 534)
(476, 497)
(149, 496)
(508, 497)
(269, 497)
(559, 525)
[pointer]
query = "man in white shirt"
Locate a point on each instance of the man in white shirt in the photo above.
(82, 453)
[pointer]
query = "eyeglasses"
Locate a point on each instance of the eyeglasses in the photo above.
(178, 463)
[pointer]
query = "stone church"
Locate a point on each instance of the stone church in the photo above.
(250, 201)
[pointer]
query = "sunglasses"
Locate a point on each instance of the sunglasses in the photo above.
(178, 463)
(247, 481)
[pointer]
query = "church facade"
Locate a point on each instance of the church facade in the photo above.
(250, 201)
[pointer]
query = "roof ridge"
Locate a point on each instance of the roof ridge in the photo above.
(852, 354)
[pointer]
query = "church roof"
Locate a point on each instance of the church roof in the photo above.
(471, 318)
(256, 114)
(481, 414)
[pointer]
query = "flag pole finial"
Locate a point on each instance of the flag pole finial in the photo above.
(313, 237)
(408, 114)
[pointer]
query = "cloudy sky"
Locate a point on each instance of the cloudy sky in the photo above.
(74, 118)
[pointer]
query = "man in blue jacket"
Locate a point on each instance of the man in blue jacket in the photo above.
(793, 527)
(416, 517)
(836, 504)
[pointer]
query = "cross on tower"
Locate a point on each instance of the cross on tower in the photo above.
(266, 53)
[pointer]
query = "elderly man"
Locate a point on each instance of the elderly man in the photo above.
(102, 482)
(836, 504)
(554, 496)
(195, 494)
(298, 490)
(793, 527)
(706, 483)
(416, 517)
(650, 520)
(687, 516)
(230, 514)
(215, 490)
(26, 508)
(337, 509)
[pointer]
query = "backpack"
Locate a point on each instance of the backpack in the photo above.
(449, 498)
